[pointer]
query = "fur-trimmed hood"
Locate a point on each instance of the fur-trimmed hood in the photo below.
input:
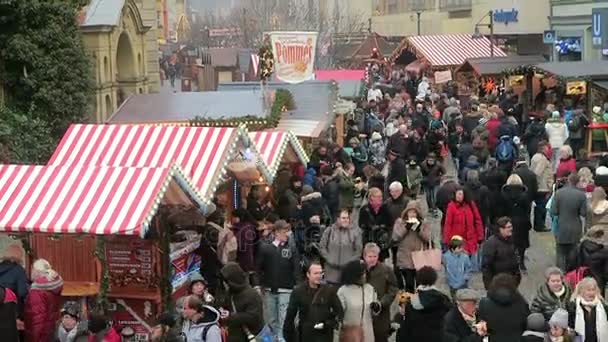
(312, 196)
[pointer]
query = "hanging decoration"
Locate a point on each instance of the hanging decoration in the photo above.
(101, 302)
(266, 61)
(235, 194)
(489, 86)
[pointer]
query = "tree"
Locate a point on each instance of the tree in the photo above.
(46, 73)
(24, 140)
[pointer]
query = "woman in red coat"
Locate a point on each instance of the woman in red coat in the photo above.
(463, 219)
(567, 163)
(42, 303)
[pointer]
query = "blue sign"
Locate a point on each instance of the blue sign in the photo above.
(599, 27)
(549, 37)
(506, 16)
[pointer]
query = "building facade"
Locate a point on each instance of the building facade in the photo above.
(518, 24)
(120, 37)
(572, 22)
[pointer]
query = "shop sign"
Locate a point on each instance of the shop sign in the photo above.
(576, 88)
(599, 27)
(506, 16)
(130, 263)
(443, 76)
(294, 55)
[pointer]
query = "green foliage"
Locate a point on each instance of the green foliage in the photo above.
(44, 67)
(28, 140)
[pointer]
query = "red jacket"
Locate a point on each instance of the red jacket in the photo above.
(463, 219)
(492, 125)
(111, 336)
(564, 166)
(42, 309)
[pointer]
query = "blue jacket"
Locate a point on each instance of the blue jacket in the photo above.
(310, 177)
(457, 269)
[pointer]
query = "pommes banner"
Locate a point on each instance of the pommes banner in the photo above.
(294, 55)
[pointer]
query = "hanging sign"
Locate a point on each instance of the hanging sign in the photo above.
(443, 76)
(576, 88)
(294, 55)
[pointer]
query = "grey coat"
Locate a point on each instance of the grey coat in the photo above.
(340, 246)
(569, 204)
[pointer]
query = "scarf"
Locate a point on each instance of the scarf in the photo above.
(66, 336)
(601, 325)
(470, 320)
(556, 338)
(560, 293)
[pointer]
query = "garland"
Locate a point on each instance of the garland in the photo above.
(266, 62)
(101, 302)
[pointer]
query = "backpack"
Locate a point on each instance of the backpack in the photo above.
(574, 124)
(505, 152)
(222, 332)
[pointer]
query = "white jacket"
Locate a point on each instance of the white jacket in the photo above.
(557, 132)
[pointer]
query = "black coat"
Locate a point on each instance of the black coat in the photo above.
(494, 179)
(528, 177)
(397, 172)
(331, 196)
(593, 254)
(424, 317)
(312, 306)
(456, 329)
(505, 313)
(534, 134)
(590, 324)
(498, 257)
(517, 205)
(8, 319)
(375, 226)
(312, 205)
(481, 195)
(399, 144)
(395, 208)
(12, 276)
(432, 173)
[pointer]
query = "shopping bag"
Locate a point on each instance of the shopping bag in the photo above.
(427, 257)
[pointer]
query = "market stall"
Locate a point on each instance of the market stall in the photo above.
(116, 217)
(280, 149)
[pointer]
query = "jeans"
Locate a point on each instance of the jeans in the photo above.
(431, 194)
(476, 260)
(540, 210)
(277, 303)
(562, 251)
(407, 280)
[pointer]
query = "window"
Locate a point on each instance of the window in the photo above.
(456, 5)
(392, 6)
(420, 5)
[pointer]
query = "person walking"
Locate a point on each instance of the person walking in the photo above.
(517, 205)
(457, 266)
(463, 219)
(317, 307)
(374, 221)
(541, 166)
(200, 321)
(460, 323)
(592, 252)
(340, 244)
(499, 255)
(278, 265)
(567, 162)
(569, 205)
(536, 328)
(359, 301)
(43, 302)
(382, 278)
(588, 312)
(504, 311)
(551, 295)
(557, 133)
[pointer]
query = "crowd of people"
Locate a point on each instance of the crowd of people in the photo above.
(334, 252)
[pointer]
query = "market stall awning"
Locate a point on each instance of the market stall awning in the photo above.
(498, 65)
(303, 128)
(87, 199)
(340, 75)
(202, 152)
(576, 70)
(447, 49)
(272, 146)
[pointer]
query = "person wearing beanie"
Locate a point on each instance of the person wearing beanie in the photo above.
(43, 302)
(70, 327)
(457, 265)
(558, 327)
(377, 151)
(536, 329)
(197, 286)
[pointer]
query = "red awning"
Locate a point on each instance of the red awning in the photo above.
(93, 200)
(272, 144)
(451, 49)
(339, 75)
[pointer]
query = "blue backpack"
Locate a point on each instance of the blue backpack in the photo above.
(505, 151)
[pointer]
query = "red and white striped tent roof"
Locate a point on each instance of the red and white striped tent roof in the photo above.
(93, 200)
(448, 49)
(202, 152)
(272, 145)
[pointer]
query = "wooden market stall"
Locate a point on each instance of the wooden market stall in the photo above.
(115, 217)
(279, 150)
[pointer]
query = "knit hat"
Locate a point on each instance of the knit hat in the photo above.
(70, 308)
(555, 114)
(376, 136)
(536, 322)
(559, 319)
(196, 278)
(307, 190)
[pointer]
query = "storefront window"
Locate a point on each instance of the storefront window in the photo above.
(569, 49)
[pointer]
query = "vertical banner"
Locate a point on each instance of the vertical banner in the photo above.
(294, 55)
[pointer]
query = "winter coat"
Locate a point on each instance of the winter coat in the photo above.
(394, 208)
(12, 276)
(331, 196)
(310, 178)
(517, 205)
(397, 172)
(245, 234)
(470, 122)
(498, 257)
(541, 166)
(492, 125)
(408, 241)
(338, 247)
(547, 302)
(432, 173)
(288, 205)
(593, 253)
(583, 123)
(414, 179)
(463, 219)
(375, 225)
(590, 327)
(312, 205)
(8, 315)
(597, 216)
(528, 177)
(205, 330)
(317, 160)
(107, 335)
(507, 128)
(445, 194)
(456, 329)
(78, 334)
(424, 316)
(565, 167)
(377, 153)
(498, 305)
(278, 266)
(383, 279)
(557, 133)
(312, 306)
(457, 269)
(569, 204)
(533, 135)
(244, 303)
(42, 308)
(354, 299)
(347, 190)
(399, 144)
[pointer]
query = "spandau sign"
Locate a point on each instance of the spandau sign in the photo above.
(506, 16)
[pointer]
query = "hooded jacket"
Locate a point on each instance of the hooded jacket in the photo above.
(557, 133)
(12, 276)
(206, 329)
(424, 314)
(338, 247)
(244, 303)
(410, 238)
(498, 257)
(517, 205)
(593, 253)
(547, 302)
(312, 205)
(42, 308)
(499, 304)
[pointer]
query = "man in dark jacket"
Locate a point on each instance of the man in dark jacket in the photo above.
(397, 171)
(569, 205)
(399, 142)
(459, 323)
(317, 306)
(383, 279)
(528, 177)
(243, 309)
(278, 265)
(499, 254)
(290, 199)
(396, 202)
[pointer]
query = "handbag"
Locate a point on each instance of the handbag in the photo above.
(354, 333)
(427, 257)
